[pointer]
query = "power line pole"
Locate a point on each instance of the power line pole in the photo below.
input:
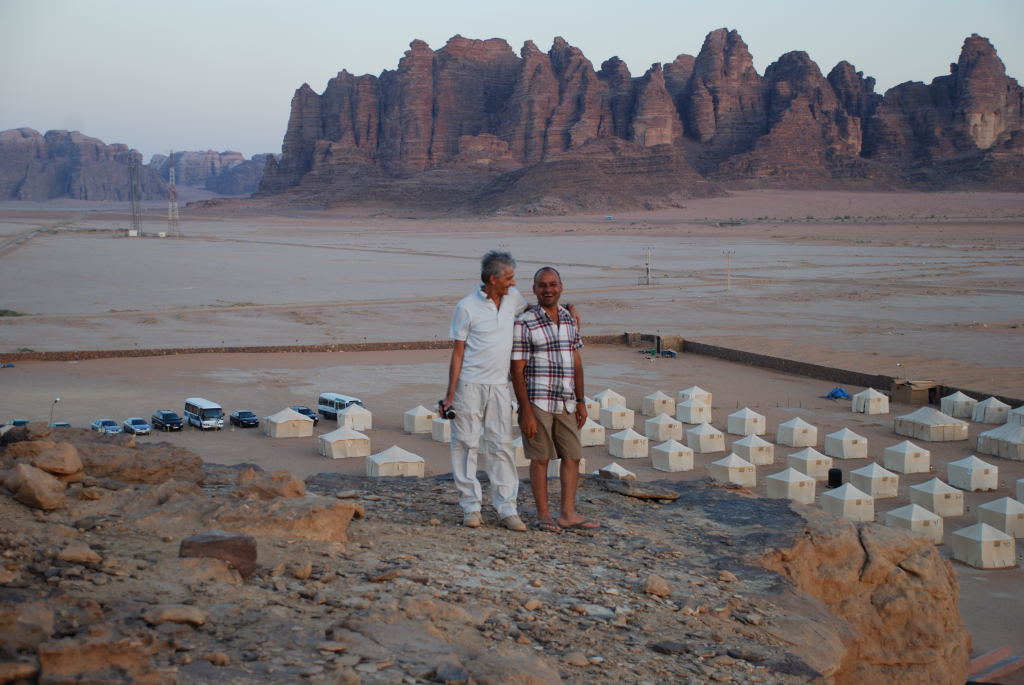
(135, 195)
(728, 268)
(173, 221)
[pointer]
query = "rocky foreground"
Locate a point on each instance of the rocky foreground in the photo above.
(139, 563)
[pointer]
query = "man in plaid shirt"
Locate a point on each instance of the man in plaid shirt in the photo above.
(547, 375)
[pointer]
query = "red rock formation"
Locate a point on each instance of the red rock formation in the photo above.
(655, 120)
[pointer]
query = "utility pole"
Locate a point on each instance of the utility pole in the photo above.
(135, 195)
(728, 268)
(173, 222)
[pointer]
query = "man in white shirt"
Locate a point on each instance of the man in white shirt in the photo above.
(480, 393)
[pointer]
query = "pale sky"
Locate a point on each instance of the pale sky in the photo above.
(220, 74)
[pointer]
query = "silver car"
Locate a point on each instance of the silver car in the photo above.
(137, 425)
(105, 426)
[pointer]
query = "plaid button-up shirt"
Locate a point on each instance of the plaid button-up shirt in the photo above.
(548, 350)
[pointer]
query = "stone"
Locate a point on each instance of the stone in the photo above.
(577, 659)
(17, 671)
(303, 571)
(61, 459)
(271, 484)
(669, 647)
(103, 650)
(237, 549)
(217, 658)
(79, 553)
(657, 586)
(24, 621)
(35, 488)
(638, 490)
(176, 613)
(503, 665)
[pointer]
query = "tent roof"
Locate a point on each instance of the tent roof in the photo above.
(344, 433)
(628, 434)
(752, 441)
(354, 409)
(418, 410)
(663, 418)
(732, 461)
(1004, 505)
(657, 395)
(746, 413)
(1010, 432)
(992, 402)
(796, 422)
(809, 453)
(607, 392)
(395, 454)
(845, 434)
(873, 470)
(959, 397)
(914, 512)
(692, 402)
(982, 532)
(591, 423)
(670, 446)
(870, 393)
(790, 475)
(905, 447)
(846, 491)
(971, 462)
(931, 417)
(934, 486)
(617, 470)
(704, 429)
(694, 390)
(287, 414)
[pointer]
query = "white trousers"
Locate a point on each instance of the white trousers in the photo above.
(483, 421)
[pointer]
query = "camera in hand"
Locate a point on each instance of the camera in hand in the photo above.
(448, 413)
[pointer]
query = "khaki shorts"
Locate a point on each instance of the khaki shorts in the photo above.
(557, 437)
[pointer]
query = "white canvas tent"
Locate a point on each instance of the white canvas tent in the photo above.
(1016, 416)
(658, 403)
(344, 442)
(592, 433)
(734, 469)
(704, 438)
(627, 444)
(957, 405)
(848, 502)
(746, 421)
(1020, 489)
(1006, 514)
(983, 546)
(810, 462)
(672, 456)
(593, 408)
(356, 417)
(916, 518)
(937, 497)
(418, 419)
(287, 423)
(609, 398)
(990, 411)
(693, 411)
(694, 392)
(441, 430)
(791, 484)
(615, 472)
(797, 433)
(906, 457)
(394, 461)
(972, 474)
(870, 401)
(845, 444)
(1006, 441)
(876, 481)
(663, 427)
(757, 451)
(617, 417)
(930, 424)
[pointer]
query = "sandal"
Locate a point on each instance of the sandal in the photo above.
(547, 526)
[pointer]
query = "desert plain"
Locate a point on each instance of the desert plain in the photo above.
(922, 286)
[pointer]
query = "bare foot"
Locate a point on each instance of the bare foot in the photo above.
(578, 522)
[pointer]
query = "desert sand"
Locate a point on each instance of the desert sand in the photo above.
(923, 286)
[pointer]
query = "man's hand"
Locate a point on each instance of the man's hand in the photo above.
(581, 414)
(528, 422)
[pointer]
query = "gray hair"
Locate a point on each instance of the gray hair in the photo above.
(493, 263)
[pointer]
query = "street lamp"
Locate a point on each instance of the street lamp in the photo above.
(54, 404)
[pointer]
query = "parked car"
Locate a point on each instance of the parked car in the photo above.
(166, 420)
(105, 426)
(137, 425)
(244, 418)
(19, 422)
(306, 411)
(61, 424)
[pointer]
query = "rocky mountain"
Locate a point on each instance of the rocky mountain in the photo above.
(59, 164)
(224, 173)
(474, 126)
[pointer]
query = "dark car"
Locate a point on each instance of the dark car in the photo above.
(306, 411)
(166, 420)
(244, 419)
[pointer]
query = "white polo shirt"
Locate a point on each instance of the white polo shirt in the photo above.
(487, 331)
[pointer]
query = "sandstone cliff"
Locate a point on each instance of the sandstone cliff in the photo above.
(225, 173)
(491, 130)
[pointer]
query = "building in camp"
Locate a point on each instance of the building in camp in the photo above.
(592, 433)
(441, 429)
(609, 398)
(593, 408)
(693, 411)
(972, 474)
(356, 417)
(1015, 417)
(906, 457)
(797, 433)
(1020, 489)
(931, 425)
(1006, 441)
(615, 472)
(663, 427)
(704, 438)
(617, 417)
(757, 451)
(419, 419)
(914, 392)
(917, 519)
(627, 444)
(694, 392)
(394, 461)
(810, 462)
(658, 403)
(791, 484)
(746, 422)
(983, 546)
(990, 411)
(672, 456)
(957, 405)
(848, 502)
(876, 481)
(734, 469)
(845, 444)
(555, 464)
(1006, 514)
(343, 443)
(287, 423)
(937, 497)
(870, 401)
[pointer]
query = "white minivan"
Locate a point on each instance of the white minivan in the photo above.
(203, 414)
(330, 403)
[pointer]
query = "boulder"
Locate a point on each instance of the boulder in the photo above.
(35, 488)
(271, 484)
(236, 549)
(60, 460)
